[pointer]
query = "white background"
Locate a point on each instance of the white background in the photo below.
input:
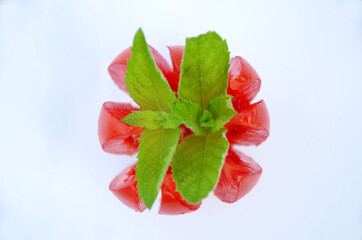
(54, 176)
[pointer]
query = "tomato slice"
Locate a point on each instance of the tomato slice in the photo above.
(239, 175)
(115, 136)
(176, 53)
(184, 132)
(118, 67)
(250, 126)
(124, 187)
(171, 201)
(244, 82)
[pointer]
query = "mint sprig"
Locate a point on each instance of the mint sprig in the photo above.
(190, 114)
(145, 82)
(155, 155)
(203, 106)
(144, 118)
(222, 111)
(153, 120)
(204, 69)
(197, 163)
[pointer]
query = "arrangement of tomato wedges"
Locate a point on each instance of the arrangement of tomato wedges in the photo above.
(250, 126)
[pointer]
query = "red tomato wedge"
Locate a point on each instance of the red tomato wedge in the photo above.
(171, 201)
(250, 126)
(184, 132)
(244, 82)
(176, 53)
(124, 187)
(239, 175)
(118, 67)
(115, 136)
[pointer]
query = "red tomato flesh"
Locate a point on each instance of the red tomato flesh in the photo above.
(184, 132)
(244, 82)
(171, 201)
(115, 136)
(239, 175)
(118, 68)
(124, 187)
(250, 126)
(176, 53)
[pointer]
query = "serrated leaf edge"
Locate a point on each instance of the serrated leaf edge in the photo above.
(218, 170)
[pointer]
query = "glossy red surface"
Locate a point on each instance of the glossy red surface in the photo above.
(239, 175)
(176, 53)
(244, 82)
(115, 136)
(184, 132)
(171, 201)
(124, 187)
(118, 68)
(250, 126)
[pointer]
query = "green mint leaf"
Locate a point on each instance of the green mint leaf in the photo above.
(207, 119)
(144, 118)
(222, 111)
(191, 114)
(145, 83)
(155, 154)
(170, 120)
(204, 69)
(152, 120)
(197, 164)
